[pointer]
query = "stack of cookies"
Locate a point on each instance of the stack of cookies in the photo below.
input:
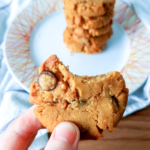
(88, 24)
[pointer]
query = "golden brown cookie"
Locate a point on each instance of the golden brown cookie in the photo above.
(93, 103)
(91, 42)
(89, 7)
(76, 47)
(74, 21)
(91, 32)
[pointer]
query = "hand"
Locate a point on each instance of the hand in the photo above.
(21, 132)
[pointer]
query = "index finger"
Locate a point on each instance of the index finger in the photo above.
(21, 132)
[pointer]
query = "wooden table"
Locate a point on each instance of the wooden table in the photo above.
(132, 133)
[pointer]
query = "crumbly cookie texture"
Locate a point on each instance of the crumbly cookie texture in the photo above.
(84, 44)
(77, 47)
(87, 22)
(91, 32)
(93, 103)
(89, 7)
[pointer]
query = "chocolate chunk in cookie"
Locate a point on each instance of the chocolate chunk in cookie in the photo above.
(47, 81)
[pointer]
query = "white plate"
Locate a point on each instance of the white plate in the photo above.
(47, 39)
(42, 24)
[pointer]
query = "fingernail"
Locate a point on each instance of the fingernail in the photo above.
(66, 131)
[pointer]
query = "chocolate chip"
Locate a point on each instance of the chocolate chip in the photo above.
(99, 129)
(82, 103)
(85, 41)
(84, 133)
(84, 44)
(47, 80)
(111, 22)
(105, 7)
(115, 100)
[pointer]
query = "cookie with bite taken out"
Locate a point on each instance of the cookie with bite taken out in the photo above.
(93, 103)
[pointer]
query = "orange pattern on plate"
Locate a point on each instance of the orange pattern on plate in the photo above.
(138, 66)
(18, 50)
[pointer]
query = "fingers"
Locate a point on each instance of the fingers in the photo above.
(64, 137)
(21, 132)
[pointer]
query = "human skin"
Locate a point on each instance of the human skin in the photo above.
(22, 131)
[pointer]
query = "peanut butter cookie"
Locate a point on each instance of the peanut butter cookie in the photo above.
(88, 22)
(89, 7)
(93, 103)
(91, 32)
(88, 44)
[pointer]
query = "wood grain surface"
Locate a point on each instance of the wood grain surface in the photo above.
(132, 133)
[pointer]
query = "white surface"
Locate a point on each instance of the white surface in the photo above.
(142, 9)
(4, 3)
(47, 39)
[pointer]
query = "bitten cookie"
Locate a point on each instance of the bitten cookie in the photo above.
(93, 103)
(89, 7)
(88, 22)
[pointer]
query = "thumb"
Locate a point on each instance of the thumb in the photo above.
(64, 137)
